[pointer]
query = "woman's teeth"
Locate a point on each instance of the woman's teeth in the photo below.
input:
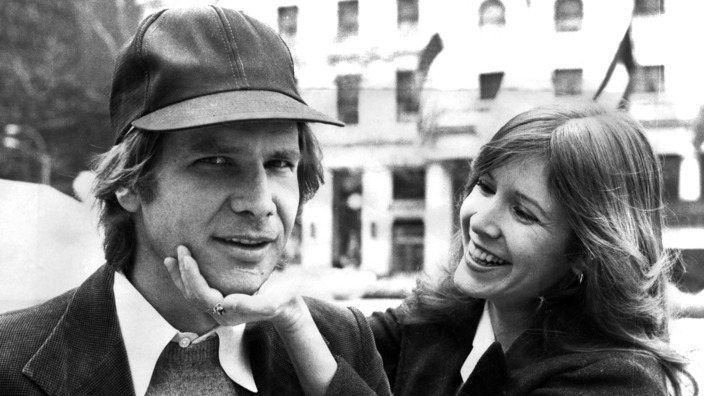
(487, 258)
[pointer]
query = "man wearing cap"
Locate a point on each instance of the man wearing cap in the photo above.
(212, 161)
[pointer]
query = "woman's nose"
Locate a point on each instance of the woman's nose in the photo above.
(485, 219)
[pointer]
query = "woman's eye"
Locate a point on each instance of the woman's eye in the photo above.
(485, 187)
(524, 216)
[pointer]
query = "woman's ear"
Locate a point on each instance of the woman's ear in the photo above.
(128, 199)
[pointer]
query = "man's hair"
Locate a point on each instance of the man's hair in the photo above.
(131, 164)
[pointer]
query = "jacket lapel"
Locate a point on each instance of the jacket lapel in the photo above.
(272, 369)
(85, 354)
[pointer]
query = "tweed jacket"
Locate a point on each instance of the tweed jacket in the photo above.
(425, 359)
(72, 345)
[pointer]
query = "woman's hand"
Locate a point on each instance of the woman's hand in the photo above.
(283, 306)
(309, 353)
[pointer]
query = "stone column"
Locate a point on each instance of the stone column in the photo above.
(377, 189)
(438, 217)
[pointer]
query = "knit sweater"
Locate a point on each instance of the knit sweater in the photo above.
(194, 370)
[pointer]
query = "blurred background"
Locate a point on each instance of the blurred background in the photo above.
(421, 85)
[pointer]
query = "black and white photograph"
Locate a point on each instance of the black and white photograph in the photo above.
(351, 197)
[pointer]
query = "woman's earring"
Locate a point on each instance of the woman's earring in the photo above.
(580, 277)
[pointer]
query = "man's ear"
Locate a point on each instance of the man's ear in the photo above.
(128, 199)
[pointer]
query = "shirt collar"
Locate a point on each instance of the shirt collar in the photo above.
(146, 334)
(483, 338)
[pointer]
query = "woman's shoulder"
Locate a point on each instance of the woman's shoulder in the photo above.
(612, 372)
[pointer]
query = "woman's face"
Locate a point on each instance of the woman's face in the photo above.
(515, 236)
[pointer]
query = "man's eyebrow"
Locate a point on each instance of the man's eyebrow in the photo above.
(534, 203)
(208, 146)
(292, 154)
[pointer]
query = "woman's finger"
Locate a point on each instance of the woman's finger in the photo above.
(251, 308)
(197, 288)
(181, 252)
(172, 267)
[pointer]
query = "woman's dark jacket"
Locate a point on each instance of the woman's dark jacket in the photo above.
(425, 359)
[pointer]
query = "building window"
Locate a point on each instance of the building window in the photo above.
(568, 15)
(649, 79)
(670, 164)
(688, 271)
(347, 19)
(288, 21)
(567, 82)
(489, 84)
(348, 98)
(649, 7)
(492, 13)
(406, 97)
(347, 217)
(407, 13)
(408, 183)
(407, 249)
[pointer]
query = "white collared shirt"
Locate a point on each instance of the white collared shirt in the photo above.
(483, 338)
(146, 334)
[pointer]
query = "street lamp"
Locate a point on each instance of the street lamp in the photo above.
(41, 153)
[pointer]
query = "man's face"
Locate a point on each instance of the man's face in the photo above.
(230, 194)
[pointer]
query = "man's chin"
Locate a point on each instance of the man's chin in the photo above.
(244, 283)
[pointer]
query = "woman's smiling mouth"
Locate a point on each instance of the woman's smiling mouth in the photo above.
(482, 257)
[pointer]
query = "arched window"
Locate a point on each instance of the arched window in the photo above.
(568, 15)
(492, 13)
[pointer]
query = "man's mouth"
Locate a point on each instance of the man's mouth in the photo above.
(483, 257)
(246, 243)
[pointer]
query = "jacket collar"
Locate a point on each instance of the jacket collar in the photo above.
(85, 354)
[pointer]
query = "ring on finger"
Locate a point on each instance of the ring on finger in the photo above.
(218, 309)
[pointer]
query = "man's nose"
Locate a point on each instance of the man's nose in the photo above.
(252, 194)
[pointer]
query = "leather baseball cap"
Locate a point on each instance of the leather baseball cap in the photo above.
(190, 67)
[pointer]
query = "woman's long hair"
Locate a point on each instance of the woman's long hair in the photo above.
(603, 171)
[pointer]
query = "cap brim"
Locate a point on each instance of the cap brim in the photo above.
(231, 106)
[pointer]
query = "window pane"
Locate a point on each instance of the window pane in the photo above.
(288, 21)
(406, 96)
(567, 82)
(649, 7)
(407, 12)
(409, 183)
(348, 98)
(649, 79)
(408, 245)
(492, 12)
(568, 15)
(489, 84)
(671, 176)
(347, 18)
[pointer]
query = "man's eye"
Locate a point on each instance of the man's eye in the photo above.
(214, 160)
(280, 164)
